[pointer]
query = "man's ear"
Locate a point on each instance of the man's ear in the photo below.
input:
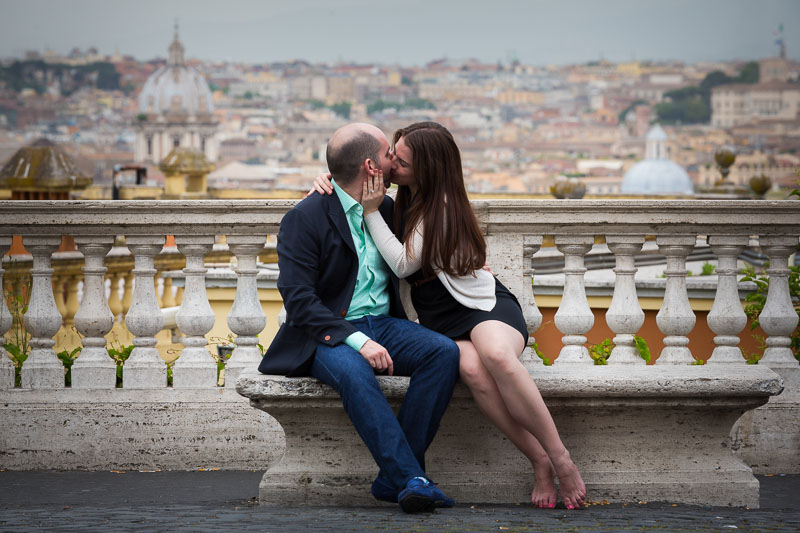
(370, 167)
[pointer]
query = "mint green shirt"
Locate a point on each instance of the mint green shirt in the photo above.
(370, 296)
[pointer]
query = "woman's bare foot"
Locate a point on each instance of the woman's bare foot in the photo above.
(573, 489)
(544, 495)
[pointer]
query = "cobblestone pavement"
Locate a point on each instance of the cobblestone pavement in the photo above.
(226, 501)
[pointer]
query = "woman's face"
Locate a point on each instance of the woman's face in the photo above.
(402, 171)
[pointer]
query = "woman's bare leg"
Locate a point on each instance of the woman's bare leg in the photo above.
(498, 345)
(484, 391)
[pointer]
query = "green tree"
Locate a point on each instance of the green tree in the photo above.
(419, 103)
(685, 111)
(715, 78)
(749, 73)
(342, 109)
(377, 106)
(621, 116)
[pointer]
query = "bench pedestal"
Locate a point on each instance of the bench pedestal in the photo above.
(658, 433)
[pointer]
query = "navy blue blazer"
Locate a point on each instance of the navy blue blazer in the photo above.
(318, 269)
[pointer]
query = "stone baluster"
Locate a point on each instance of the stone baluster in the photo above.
(42, 369)
(574, 316)
(533, 317)
(127, 291)
(158, 282)
(144, 369)
(6, 320)
(21, 286)
(195, 367)
(71, 300)
(625, 316)
(778, 319)
(727, 318)
(67, 337)
(167, 298)
(676, 319)
(179, 295)
(114, 302)
(94, 368)
(246, 318)
(58, 294)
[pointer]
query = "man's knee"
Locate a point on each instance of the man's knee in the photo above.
(446, 353)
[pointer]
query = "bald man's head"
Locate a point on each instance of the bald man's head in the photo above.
(349, 147)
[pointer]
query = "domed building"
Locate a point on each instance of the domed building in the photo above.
(656, 174)
(176, 110)
(42, 171)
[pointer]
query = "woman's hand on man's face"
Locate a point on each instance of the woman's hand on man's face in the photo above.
(322, 185)
(373, 192)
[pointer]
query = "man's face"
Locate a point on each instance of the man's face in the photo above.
(385, 160)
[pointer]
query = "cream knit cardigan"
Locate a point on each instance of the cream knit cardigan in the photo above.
(475, 291)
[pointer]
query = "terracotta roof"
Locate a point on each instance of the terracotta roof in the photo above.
(749, 87)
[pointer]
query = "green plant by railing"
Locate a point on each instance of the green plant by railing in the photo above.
(642, 348)
(67, 358)
(756, 301)
(540, 354)
(708, 269)
(119, 354)
(17, 293)
(600, 352)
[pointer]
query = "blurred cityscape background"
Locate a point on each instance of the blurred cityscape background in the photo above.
(92, 121)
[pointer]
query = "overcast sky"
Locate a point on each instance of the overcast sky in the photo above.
(410, 32)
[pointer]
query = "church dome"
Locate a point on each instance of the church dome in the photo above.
(42, 165)
(656, 174)
(176, 88)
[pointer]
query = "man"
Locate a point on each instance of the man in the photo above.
(345, 323)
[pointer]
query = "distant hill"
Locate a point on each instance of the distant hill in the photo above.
(38, 75)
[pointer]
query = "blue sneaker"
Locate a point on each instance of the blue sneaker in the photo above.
(421, 496)
(382, 489)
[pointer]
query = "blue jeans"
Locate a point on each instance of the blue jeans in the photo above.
(398, 443)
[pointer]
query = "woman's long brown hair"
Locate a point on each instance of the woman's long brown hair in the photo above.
(456, 247)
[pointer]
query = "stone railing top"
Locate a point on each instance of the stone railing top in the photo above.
(636, 217)
(569, 381)
(543, 217)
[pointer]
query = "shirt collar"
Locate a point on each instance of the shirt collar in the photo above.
(348, 202)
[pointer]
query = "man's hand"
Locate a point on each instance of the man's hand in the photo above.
(377, 357)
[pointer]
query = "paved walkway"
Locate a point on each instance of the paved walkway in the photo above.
(226, 501)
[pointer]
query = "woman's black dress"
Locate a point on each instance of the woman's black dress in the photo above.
(439, 311)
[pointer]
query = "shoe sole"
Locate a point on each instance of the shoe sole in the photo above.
(385, 498)
(417, 504)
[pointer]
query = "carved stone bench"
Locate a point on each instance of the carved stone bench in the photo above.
(656, 433)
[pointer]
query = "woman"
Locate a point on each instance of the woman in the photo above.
(440, 250)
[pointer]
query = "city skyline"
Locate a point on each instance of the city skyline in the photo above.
(538, 33)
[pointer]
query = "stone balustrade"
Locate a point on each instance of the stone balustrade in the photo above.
(515, 230)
